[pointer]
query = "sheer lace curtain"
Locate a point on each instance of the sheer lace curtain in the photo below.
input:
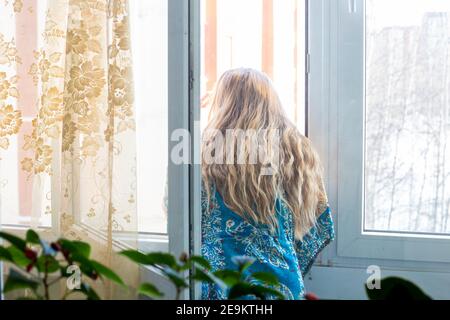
(67, 129)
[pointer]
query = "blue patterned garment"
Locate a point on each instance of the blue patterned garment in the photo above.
(225, 235)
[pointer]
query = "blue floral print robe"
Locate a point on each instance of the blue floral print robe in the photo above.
(225, 235)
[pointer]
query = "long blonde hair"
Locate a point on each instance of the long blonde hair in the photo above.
(245, 100)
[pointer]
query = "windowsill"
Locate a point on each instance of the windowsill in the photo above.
(146, 242)
(405, 234)
(20, 230)
(344, 283)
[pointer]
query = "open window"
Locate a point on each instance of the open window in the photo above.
(393, 86)
(379, 117)
(266, 35)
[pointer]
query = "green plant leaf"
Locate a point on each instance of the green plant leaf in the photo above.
(175, 278)
(17, 281)
(240, 290)
(265, 277)
(267, 292)
(51, 262)
(203, 276)
(5, 255)
(32, 237)
(243, 289)
(394, 288)
(76, 247)
(89, 268)
(107, 272)
(150, 291)
(135, 256)
(83, 248)
(90, 293)
(18, 257)
(201, 262)
(208, 277)
(151, 259)
(229, 277)
(81, 259)
(15, 241)
(85, 264)
(163, 259)
(63, 272)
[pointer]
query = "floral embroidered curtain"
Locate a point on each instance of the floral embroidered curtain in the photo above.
(67, 132)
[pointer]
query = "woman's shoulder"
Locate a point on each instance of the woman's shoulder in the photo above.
(212, 201)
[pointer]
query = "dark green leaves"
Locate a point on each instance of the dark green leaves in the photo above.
(76, 248)
(229, 277)
(16, 281)
(81, 248)
(90, 293)
(40, 260)
(177, 279)
(243, 289)
(79, 252)
(165, 262)
(151, 259)
(106, 272)
(32, 237)
(47, 264)
(173, 270)
(5, 255)
(236, 282)
(265, 277)
(260, 285)
(18, 256)
(394, 288)
(204, 275)
(135, 256)
(242, 283)
(94, 269)
(149, 290)
(15, 241)
(164, 259)
(201, 262)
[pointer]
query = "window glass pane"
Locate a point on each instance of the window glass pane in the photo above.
(148, 19)
(266, 35)
(20, 33)
(407, 167)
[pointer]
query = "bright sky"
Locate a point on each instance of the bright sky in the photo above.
(403, 12)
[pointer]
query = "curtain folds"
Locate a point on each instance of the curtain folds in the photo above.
(67, 128)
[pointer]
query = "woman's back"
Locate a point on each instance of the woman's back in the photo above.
(225, 234)
(263, 191)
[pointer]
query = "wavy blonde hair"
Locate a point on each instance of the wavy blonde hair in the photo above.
(245, 99)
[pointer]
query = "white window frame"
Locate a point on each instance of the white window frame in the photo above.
(336, 84)
(183, 180)
(354, 240)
